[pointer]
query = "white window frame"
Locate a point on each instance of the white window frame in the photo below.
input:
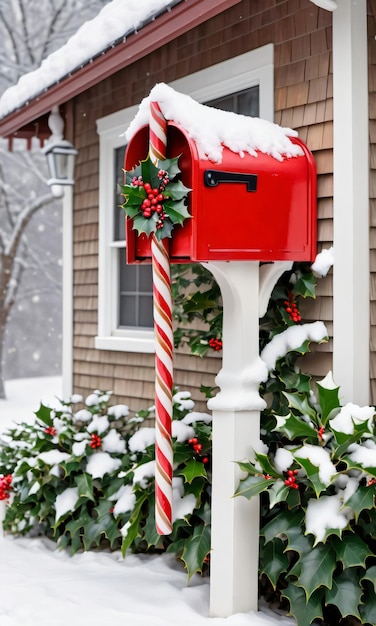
(236, 74)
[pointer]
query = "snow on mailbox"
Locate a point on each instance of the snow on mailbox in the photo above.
(252, 185)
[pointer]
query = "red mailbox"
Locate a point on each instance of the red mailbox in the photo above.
(244, 208)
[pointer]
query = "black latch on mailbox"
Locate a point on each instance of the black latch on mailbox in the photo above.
(212, 178)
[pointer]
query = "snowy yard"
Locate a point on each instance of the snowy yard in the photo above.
(42, 587)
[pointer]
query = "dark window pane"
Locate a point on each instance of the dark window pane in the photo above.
(145, 312)
(248, 102)
(128, 315)
(136, 295)
(128, 276)
(119, 221)
(146, 278)
(244, 102)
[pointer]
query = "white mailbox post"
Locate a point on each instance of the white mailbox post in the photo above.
(246, 289)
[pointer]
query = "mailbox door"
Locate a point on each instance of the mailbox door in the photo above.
(256, 208)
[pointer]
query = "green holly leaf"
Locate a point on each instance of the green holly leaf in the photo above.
(298, 541)
(293, 498)
(70, 467)
(44, 415)
(368, 609)
(317, 569)
(304, 611)
(196, 549)
(171, 166)
(94, 530)
(305, 286)
(252, 486)
(193, 470)
(351, 550)
(75, 525)
(149, 172)
(273, 561)
(299, 401)
(312, 472)
(176, 211)
(133, 196)
(294, 427)
(249, 468)
(351, 465)
(362, 498)
(132, 210)
(295, 380)
(150, 534)
(346, 593)
(84, 484)
(165, 231)
(282, 524)
(371, 576)
(265, 464)
(344, 439)
(177, 191)
(133, 531)
(145, 225)
(278, 492)
(76, 544)
(328, 400)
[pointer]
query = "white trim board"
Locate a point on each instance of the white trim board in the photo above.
(351, 291)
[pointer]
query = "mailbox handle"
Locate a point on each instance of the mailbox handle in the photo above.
(213, 177)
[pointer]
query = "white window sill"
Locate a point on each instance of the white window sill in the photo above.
(126, 344)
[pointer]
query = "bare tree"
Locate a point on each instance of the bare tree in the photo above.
(29, 31)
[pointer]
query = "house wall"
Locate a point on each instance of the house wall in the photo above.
(301, 34)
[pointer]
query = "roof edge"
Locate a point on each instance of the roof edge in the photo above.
(166, 27)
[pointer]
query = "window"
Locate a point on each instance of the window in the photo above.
(243, 84)
(135, 302)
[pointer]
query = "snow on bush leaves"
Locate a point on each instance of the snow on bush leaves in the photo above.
(317, 478)
(85, 477)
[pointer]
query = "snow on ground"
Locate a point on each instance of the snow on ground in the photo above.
(24, 396)
(41, 586)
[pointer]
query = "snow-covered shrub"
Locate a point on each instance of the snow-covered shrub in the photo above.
(317, 477)
(85, 478)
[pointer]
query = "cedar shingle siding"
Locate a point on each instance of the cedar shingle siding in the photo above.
(301, 34)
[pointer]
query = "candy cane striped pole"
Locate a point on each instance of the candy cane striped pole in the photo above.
(163, 347)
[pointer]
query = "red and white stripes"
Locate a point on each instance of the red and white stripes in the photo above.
(158, 133)
(163, 347)
(163, 386)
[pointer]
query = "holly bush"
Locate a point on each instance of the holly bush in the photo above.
(316, 476)
(85, 478)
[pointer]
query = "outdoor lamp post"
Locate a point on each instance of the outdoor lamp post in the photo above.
(61, 155)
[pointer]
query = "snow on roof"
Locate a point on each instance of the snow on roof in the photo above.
(212, 129)
(114, 22)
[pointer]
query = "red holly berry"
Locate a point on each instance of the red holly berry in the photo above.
(50, 430)
(291, 479)
(291, 308)
(5, 486)
(95, 441)
(320, 432)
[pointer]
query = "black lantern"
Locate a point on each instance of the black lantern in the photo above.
(60, 154)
